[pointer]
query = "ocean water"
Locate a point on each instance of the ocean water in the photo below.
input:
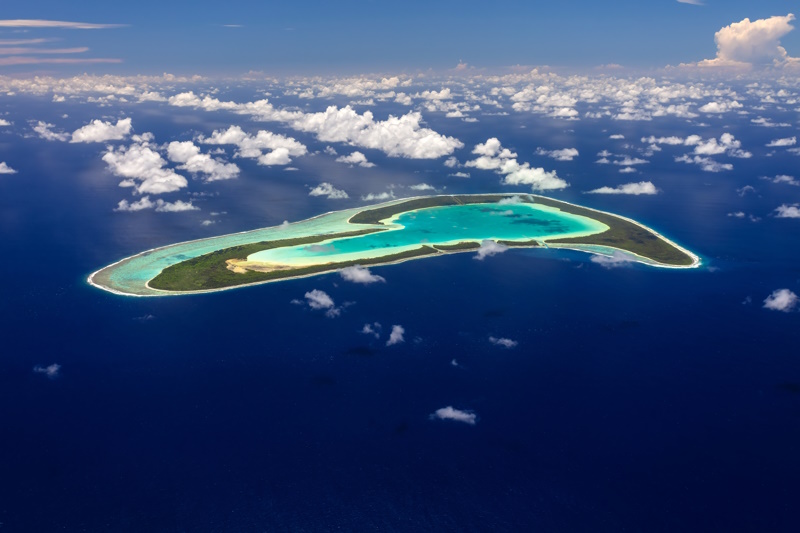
(637, 398)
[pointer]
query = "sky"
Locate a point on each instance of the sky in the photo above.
(304, 36)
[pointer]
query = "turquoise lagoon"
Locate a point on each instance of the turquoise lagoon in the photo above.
(440, 225)
(406, 231)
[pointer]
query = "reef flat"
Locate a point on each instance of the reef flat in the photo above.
(386, 233)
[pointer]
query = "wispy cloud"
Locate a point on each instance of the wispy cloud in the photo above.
(643, 187)
(359, 274)
(457, 415)
(396, 336)
(39, 23)
(781, 300)
(29, 60)
(27, 50)
(16, 42)
(51, 371)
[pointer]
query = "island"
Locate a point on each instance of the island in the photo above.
(387, 233)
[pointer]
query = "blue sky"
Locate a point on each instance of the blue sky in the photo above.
(357, 36)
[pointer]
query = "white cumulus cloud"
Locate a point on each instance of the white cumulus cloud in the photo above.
(616, 259)
(643, 187)
(359, 274)
(492, 156)
(98, 131)
(788, 141)
(401, 136)
(396, 336)
(160, 205)
(781, 300)
(489, 248)
(143, 167)
(43, 130)
(564, 154)
(5, 169)
(188, 153)
(266, 147)
(51, 371)
(504, 342)
(457, 415)
(752, 43)
(788, 211)
(326, 189)
(356, 158)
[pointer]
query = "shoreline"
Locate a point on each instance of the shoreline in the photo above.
(696, 261)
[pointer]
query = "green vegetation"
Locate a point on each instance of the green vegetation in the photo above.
(216, 279)
(458, 247)
(210, 271)
(621, 234)
(374, 216)
(521, 244)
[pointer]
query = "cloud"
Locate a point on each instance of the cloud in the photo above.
(326, 189)
(422, 187)
(359, 274)
(489, 248)
(720, 107)
(516, 199)
(788, 141)
(28, 60)
(396, 136)
(746, 44)
(143, 167)
(188, 153)
(373, 329)
(444, 94)
(781, 300)
(459, 175)
(744, 190)
(703, 148)
(565, 154)
(706, 163)
(22, 50)
(4, 122)
(692, 2)
(5, 169)
(616, 259)
(43, 130)
(356, 158)
(378, 196)
(457, 415)
(98, 131)
(643, 187)
(267, 147)
(160, 205)
(492, 156)
(51, 371)
(319, 299)
(504, 342)
(782, 178)
(616, 136)
(141, 204)
(788, 211)
(174, 207)
(38, 23)
(396, 336)
(630, 161)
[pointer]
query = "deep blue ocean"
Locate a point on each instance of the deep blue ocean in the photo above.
(637, 399)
